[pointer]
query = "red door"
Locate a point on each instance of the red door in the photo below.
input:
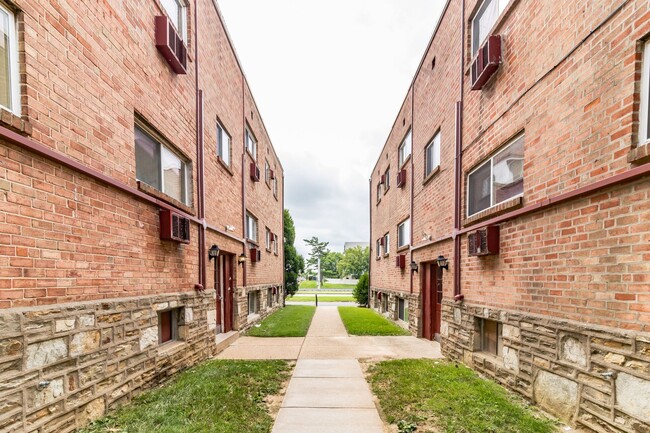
(431, 301)
(224, 283)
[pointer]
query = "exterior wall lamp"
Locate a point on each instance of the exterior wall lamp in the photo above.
(213, 252)
(242, 259)
(414, 266)
(443, 262)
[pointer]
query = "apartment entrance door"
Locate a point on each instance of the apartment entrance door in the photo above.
(225, 283)
(431, 301)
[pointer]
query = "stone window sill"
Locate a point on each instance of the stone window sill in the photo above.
(499, 209)
(171, 347)
(16, 123)
(404, 248)
(150, 190)
(640, 154)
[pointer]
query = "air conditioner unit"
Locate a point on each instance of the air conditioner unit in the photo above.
(256, 255)
(483, 242)
(400, 261)
(401, 178)
(174, 227)
(381, 241)
(486, 62)
(170, 45)
(255, 172)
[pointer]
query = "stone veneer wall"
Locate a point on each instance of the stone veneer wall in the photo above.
(592, 376)
(413, 324)
(243, 320)
(65, 365)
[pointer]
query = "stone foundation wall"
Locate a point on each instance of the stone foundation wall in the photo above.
(591, 376)
(243, 318)
(390, 311)
(63, 366)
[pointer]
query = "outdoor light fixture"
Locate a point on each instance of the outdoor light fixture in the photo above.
(443, 263)
(213, 252)
(414, 266)
(242, 259)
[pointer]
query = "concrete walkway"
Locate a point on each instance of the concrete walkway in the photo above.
(328, 392)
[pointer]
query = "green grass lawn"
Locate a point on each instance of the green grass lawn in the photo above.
(290, 321)
(441, 397)
(214, 397)
(309, 284)
(312, 298)
(364, 321)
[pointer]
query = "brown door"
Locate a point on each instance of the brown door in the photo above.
(228, 292)
(431, 301)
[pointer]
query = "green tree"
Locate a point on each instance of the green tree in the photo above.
(360, 292)
(318, 251)
(354, 263)
(294, 263)
(329, 264)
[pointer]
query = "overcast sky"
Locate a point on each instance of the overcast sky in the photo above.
(329, 78)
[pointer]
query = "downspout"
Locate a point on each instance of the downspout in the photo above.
(243, 178)
(370, 256)
(284, 263)
(200, 286)
(459, 162)
(412, 179)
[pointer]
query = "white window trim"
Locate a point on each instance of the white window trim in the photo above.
(378, 246)
(501, 6)
(387, 244)
(14, 75)
(436, 141)
(251, 137)
(407, 233)
(267, 239)
(401, 159)
(491, 162)
(251, 236)
(644, 114)
(220, 144)
(182, 10)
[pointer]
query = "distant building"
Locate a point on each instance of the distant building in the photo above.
(349, 245)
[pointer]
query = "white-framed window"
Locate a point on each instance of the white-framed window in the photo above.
(386, 244)
(9, 77)
(268, 239)
(160, 167)
(224, 142)
(378, 248)
(251, 144)
(484, 20)
(432, 155)
(275, 185)
(253, 302)
(251, 227)
(387, 180)
(402, 309)
(498, 179)
(267, 172)
(378, 192)
(404, 149)
(275, 244)
(644, 108)
(177, 13)
(404, 233)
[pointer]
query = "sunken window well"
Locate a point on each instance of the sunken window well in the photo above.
(489, 337)
(168, 325)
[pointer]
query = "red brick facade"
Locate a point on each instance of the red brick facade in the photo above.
(77, 226)
(572, 270)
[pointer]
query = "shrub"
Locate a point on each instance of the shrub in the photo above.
(360, 292)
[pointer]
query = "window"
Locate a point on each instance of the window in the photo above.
(267, 172)
(498, 179)
(275, 244)
(159, 167)
(251, 144)
(223, 144)
(404, 150)
(378, 193)
(491, 340)
(386, 244)
(168, 325)
(253, 302)
(404, 234)
(269, 298)
(378, 248)
(176, 12)
(9, 78)
(386, 180)
(484, 20)
(268, 239)
(275, 185)
(251, 227)
(402, 309)
(432, 155)
(644, 110)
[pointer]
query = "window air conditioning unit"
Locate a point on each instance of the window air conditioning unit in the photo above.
(170, 45)
(401, 178)
(483, 242)
(382, 240)
(400, 261)
(255, 172)
(486, 62)
(174, 227)
(256, 255)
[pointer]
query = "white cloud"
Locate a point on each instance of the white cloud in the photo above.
(329, 79)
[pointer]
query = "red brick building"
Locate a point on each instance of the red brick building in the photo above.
(526, 169)
(130, 143)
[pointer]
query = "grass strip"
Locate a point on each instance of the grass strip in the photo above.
(438, 396)
(214, 397)
(312, 298)
(309, 284)
(364, 321)
(290, 321)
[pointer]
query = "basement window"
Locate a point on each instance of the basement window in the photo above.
(402, 309)
(484, 20)
(644, 108)
(499, 179)
(168, 325)
(160, 167)
(404, 150)
(223, 144)
(9, 82)
(269, 298)
(491, 337)
(253, 302)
